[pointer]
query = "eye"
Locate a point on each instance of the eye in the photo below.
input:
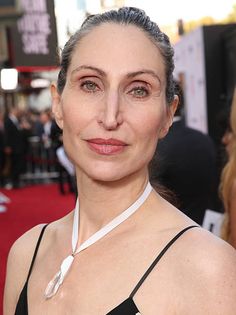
(139, 89)
(89, 86)
(139, 92)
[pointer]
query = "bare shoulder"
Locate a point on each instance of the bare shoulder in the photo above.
(24, 246)
(210, 263)
(18, 264)
(208, 248)
(21, 254)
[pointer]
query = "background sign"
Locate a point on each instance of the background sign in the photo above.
(190, 62)
(34, 37)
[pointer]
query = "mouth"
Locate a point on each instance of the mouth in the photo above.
(106, 146)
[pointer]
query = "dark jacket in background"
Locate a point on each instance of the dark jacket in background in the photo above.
(185, 163)
(13, 136)
(14, 139)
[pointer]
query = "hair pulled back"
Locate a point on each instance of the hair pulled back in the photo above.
(124, 16)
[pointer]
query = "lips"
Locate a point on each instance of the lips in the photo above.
(106, 146)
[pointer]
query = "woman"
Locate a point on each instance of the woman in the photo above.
(228, 180)
(114, 99)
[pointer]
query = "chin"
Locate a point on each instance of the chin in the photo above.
(106, 171)
(106, 175)
(115, 173)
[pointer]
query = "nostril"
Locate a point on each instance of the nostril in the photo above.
(111, 124)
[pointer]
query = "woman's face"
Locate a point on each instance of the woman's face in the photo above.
(113, 107)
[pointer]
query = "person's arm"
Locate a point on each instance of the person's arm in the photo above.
(18, 264)
(232, 215)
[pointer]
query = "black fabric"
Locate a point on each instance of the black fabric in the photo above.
(14, 140)
(127, 307)
(185, 162)
(22, 305)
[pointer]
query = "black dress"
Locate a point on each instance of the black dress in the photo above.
(127, 307)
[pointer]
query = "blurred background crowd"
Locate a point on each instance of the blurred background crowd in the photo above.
(31, 144)
(195, 163)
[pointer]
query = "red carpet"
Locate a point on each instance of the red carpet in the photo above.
(29, 206)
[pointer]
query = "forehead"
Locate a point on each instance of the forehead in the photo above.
(118, 48)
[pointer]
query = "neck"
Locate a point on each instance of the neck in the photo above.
(100, 202)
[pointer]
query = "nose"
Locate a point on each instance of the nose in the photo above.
(110, 115)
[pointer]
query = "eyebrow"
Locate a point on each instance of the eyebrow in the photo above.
(129, 75)
(144, 71)
(85, 67)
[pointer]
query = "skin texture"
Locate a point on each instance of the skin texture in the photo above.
(106, 96)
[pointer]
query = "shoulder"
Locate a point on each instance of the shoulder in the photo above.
(204, 248)
(18, 264)
(25, 245)
(208, 267)
(199, 135)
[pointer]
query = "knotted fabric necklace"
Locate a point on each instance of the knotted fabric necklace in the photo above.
(58, 279)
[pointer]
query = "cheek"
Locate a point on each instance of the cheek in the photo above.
(147, 135)
(150, 125)
(74, 117)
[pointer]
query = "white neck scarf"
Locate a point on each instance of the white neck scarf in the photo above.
(58, 279)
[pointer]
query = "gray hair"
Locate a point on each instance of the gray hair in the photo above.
(125, 16)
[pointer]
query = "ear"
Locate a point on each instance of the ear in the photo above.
(171, 109)
(56, 105)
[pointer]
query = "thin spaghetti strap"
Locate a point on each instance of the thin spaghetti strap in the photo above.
(158, 258)
(36, 251)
